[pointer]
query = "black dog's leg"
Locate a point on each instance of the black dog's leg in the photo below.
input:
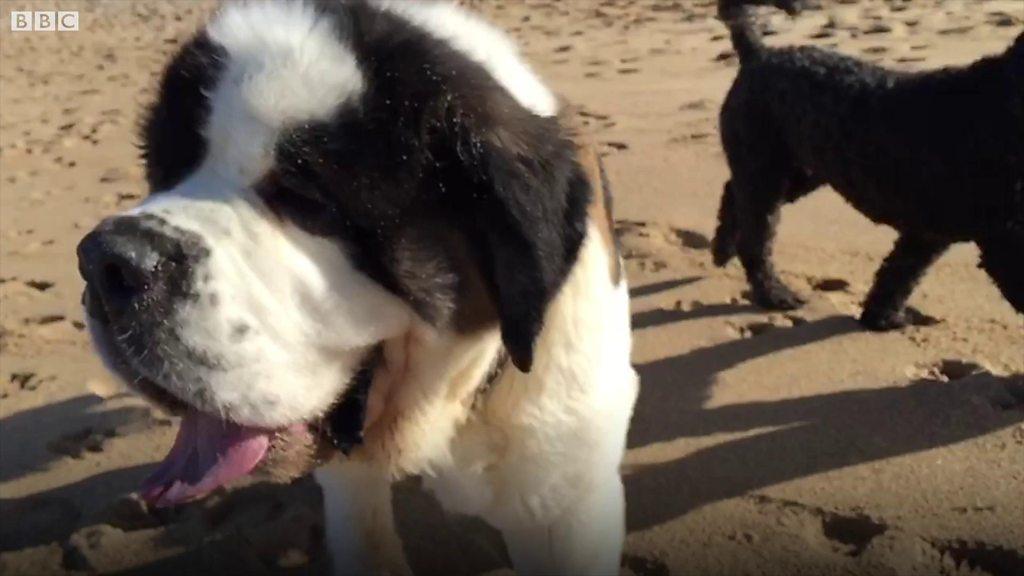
(1003, 259)
(896, 279)
(758, 214)
(723, 247)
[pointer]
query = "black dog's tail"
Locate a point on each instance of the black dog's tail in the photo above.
(746, 40)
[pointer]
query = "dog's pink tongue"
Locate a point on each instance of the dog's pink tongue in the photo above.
(207, 453)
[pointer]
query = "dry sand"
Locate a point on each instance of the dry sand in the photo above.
(763, 443)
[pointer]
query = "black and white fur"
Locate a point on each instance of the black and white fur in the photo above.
(937, 155)
(343, 180)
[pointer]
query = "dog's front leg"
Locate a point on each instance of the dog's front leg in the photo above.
(359, 522)
(896, 279)
(586, 539)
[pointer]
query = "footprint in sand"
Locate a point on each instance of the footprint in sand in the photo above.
(725, 56)
(1007, 394)
(635, 239)
(112, 175)
(645, 566)
(130, 513)
(692, 239)
(852, 533)
(1003, 20)
(653, 265)
(830, 285)
(627, 71)
(755, 329)
(849, 532)
(39, 285)
(75, 444)
(592, 115)
(956, 30)
(698, 104)
(29, 381)
(879, 27)
(123, 197)
(120, 422)
(761, 327)
(954, 369)
(640, 240)
(946, 370)
(44, 319)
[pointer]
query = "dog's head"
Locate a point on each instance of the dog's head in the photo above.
(322, 178)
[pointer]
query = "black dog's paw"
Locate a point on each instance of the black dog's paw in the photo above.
(883, 321)
(777, 297)
(722, 251)
(895, 319)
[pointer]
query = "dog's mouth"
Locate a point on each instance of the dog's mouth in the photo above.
(117, 355)
(210, 452)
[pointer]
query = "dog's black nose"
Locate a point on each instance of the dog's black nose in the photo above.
(126, 260)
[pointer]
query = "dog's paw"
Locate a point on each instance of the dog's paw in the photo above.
(895, 319)
(883, 321)
(777, 297)
(722, 252)
(723, 245)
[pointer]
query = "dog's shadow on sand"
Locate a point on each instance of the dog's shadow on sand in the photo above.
(792, 438)
(240, 531)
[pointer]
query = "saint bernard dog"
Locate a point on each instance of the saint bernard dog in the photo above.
(373, 248)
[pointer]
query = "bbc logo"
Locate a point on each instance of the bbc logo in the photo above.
(44, 21)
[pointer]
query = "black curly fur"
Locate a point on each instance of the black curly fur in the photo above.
(937, 155)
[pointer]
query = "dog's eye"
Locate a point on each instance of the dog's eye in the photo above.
(289, 198)
(276, 185)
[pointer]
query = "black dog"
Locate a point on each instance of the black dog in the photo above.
(938, 155)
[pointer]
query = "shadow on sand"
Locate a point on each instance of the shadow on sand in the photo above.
(249, 530)
(812, 434)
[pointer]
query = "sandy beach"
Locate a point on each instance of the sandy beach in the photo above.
(762, 443)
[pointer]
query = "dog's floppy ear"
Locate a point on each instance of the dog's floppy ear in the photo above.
(525, 197)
